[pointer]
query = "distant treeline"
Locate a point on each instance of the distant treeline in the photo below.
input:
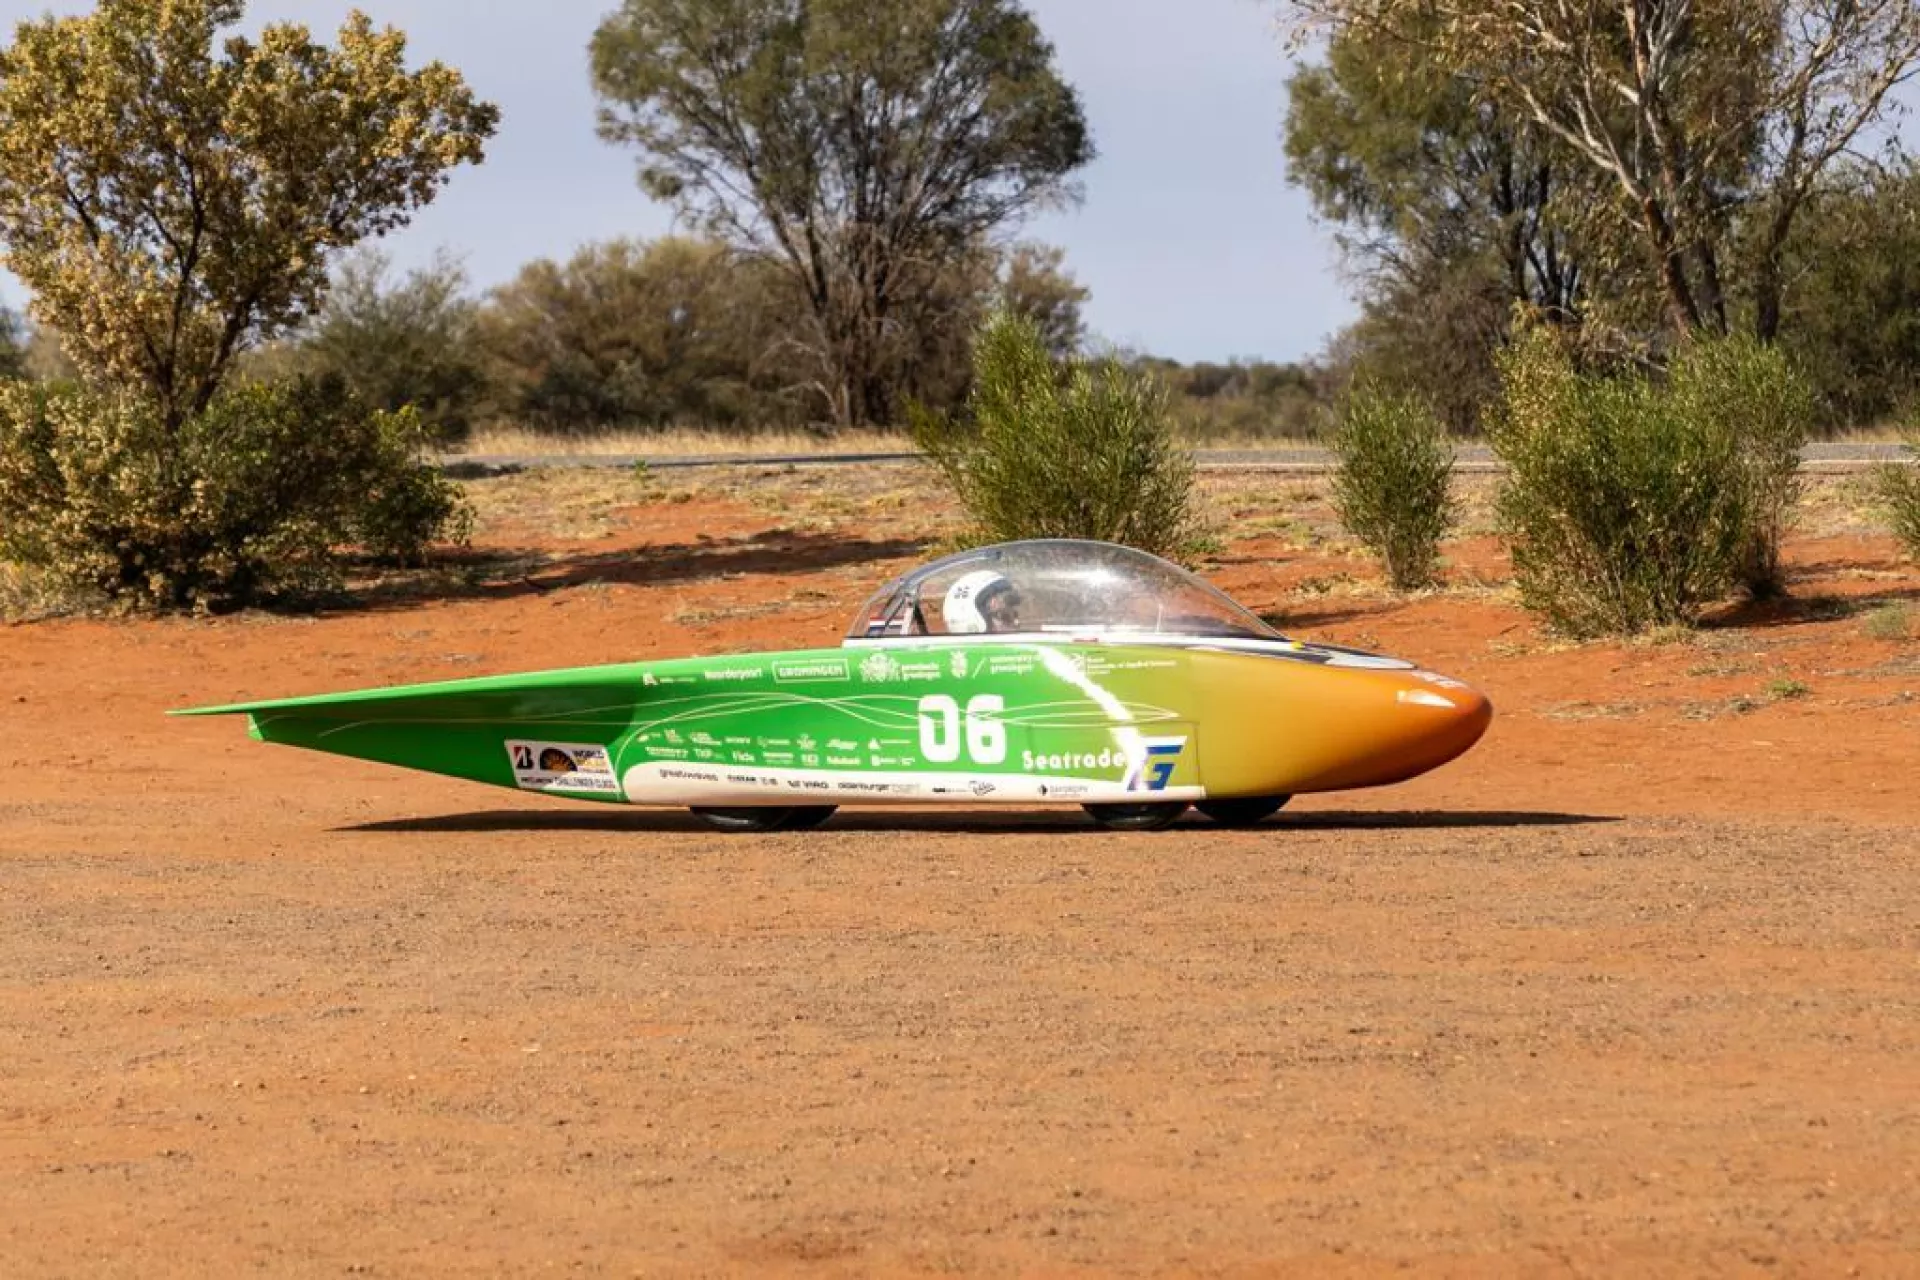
(636, 336)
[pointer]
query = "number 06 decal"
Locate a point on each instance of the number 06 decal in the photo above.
(941, 737)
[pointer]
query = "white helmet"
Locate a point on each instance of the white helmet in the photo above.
(964, 608)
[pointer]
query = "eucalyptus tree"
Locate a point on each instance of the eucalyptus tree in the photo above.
(1711, 124)
(861, 144)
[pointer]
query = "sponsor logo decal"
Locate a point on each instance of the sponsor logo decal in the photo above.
(853, 787)
(1156, 766)
(734, 673)
(561, 766)
(810, 671)
(879, 668)
(884, 668)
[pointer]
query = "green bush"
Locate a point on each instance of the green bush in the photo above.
(1740, 390)
(1629, 504)
(1391, 482)
(406, 343)
(260, 495)
(1899, 487)
(1083, 449)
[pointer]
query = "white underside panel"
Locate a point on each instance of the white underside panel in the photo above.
(658, 782)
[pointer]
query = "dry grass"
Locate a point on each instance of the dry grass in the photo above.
(1890, 621)
(680, 442)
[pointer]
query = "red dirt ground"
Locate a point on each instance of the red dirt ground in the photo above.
(1629, 988)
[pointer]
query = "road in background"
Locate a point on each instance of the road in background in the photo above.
(1817, 457)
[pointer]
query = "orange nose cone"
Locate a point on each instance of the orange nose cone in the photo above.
(1438, 720)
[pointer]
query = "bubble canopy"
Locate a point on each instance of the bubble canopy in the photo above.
(1053, 585)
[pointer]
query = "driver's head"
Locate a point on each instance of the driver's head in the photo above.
(979, 602)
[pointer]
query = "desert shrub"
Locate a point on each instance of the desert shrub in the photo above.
(1391, 482)
(1740, 390)
(1083, 449)
(402, 343)
(1898, 484)
(259, 495)
(1629, 504)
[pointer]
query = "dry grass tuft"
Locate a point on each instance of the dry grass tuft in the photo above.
(679, 442)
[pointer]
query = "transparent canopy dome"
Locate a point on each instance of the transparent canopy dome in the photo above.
(1052, 585)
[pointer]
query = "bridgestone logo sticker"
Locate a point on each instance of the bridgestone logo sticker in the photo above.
(562, 766)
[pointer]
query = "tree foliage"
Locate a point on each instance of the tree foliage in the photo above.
(1421, 173)
(1243, 399)
(407, 343)
(633, 335)
(15, 343)
(1450, 213)
(862, 144)
(1853, 298)
(171, 204)
(1035, 285)
(1710, 124)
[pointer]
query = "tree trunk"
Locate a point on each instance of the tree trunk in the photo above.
(1673, 268)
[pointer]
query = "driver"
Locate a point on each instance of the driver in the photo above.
(982, 601)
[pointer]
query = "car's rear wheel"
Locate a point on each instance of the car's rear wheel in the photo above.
(765, 818)
(1242, 811)
(1137, 817)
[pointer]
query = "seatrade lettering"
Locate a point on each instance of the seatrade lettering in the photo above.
(1071, 761)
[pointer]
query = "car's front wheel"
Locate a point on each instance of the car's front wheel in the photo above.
(1137, 817)
(765, 818)
(1242, 811)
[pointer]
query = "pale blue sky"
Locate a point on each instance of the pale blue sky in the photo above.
(1189, 237)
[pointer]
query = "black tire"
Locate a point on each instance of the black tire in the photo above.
(771, 818)
(807, 817)
(1242, 811)
(1137, 817)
